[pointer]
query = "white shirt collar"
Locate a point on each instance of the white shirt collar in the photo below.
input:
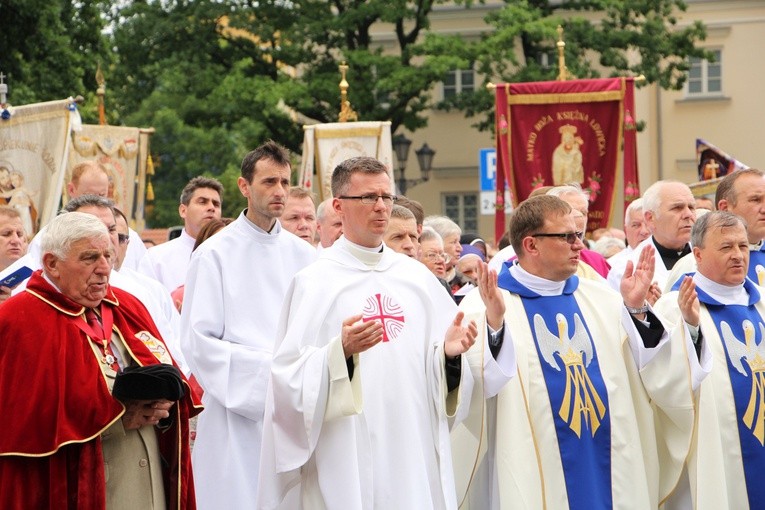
(725, 294)
(536, 284)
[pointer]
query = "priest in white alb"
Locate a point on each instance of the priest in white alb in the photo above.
(168, 262)
(368, 373)
(236, 283)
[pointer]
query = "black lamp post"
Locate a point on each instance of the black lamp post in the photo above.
(401, 145)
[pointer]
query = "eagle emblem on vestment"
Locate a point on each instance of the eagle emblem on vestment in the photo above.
(581, 405)
(752, 354)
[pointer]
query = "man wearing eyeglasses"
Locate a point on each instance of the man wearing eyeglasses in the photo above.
(588, 402)
(367, 370)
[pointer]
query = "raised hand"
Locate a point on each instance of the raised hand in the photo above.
(459, 338)
(491, 296)
(359, 336)
(688, 301)
(638, 278)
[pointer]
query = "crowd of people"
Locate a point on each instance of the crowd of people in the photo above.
(360, 354)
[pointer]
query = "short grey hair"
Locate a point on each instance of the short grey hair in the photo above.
(78, 203)
(321, 210)
(429, 234)
(568, 189)
(66, 229)
(402, 213)
(635, 205)
(716, 220)
(443, 225)
(608, 246)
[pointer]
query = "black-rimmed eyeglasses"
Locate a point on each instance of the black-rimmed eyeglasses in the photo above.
(569, 237)
(371, 199)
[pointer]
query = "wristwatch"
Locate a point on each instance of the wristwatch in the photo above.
(637, 311)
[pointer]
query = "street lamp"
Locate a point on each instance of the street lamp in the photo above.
(401, 145)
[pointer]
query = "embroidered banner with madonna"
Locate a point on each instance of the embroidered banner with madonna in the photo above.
(559, 132)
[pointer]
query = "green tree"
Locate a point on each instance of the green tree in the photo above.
(624, 37)
(211, 95)
(51, 48)
(215, 79)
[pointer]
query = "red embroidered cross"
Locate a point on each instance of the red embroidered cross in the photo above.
(387, 312)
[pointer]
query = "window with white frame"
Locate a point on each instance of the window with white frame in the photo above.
(705, 77)
(462, 208)
(456, 82)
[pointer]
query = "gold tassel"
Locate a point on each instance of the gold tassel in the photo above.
(149, 192)
(149, 165)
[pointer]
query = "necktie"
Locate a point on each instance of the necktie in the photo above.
(95, 324)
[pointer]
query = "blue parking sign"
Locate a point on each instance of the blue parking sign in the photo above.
(488, 167)
(488, 170)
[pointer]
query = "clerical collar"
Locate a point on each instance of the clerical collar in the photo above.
(536, 284)
(724, 294)
(369, 256)
(670, 256)
(756, 246)
(275, 228)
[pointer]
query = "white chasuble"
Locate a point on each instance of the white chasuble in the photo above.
(595, 432)
(380, 439)
(727, 455)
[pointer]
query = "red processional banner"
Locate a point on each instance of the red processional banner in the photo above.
(555, 133)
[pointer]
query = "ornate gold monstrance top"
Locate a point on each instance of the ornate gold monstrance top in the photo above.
(347, 113)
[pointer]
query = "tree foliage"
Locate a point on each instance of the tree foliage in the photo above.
(611, 37)
(51, 48)
(216, 79)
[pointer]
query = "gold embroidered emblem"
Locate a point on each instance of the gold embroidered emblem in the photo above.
(581, 405)
(754, 356)
(760, 274)
(156, 347)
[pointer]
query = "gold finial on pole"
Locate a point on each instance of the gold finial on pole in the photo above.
(346, 111)
(563, 73)
(100, 92)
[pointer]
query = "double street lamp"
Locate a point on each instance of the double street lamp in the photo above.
(401, 145)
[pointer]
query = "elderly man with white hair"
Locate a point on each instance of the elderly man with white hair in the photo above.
(670, 212)
(93, 400)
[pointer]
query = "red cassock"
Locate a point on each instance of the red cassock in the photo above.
(54, 403)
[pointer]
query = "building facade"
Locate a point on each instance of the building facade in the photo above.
(721, 103)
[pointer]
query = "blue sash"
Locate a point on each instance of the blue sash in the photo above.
(756, 271)
(578, 395)
(741, 331)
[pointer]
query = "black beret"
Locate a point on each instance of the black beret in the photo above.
(152, 382)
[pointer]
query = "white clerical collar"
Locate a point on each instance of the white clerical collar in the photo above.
(187, 238)
(756, 246)
(275, 229)
(724, 294)
(369, 256)
(534, 283)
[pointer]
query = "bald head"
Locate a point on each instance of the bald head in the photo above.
(88, 178)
